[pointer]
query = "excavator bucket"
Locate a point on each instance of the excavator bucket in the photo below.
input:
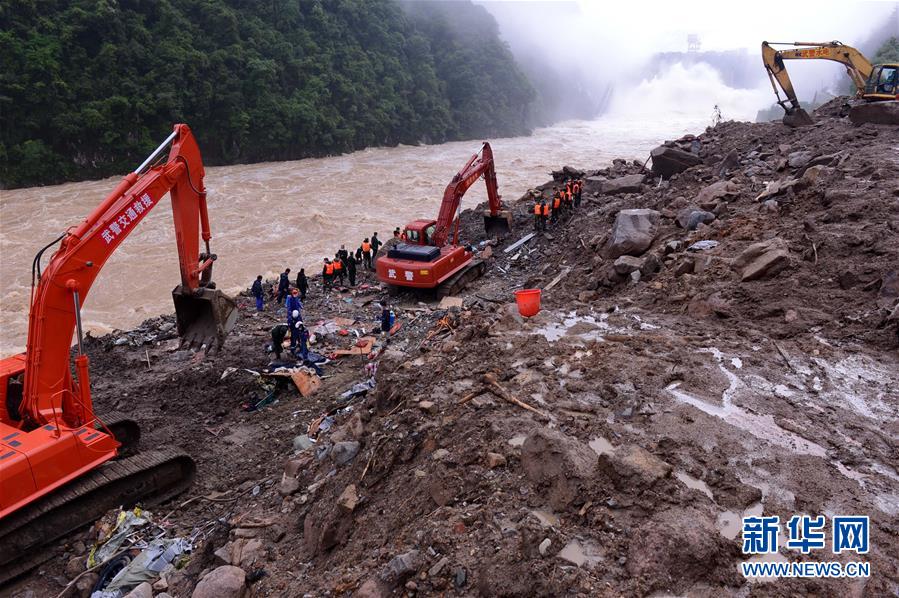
(798, 117)
(205, 317)
(499, 225)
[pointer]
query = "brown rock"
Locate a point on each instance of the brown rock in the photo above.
(632, 465)
(226, 581)
(288, 485)
(352, 429)
(560, 464)
(495, 460)
(427, 406)
(85, 584)
(348, 499)
(626, 264)
(324, 530)
(709, 196)
(247, 553)
(675, 543)
(684, 266)
(143, 590)
(763, 260)
(372, 588)
(74, 567)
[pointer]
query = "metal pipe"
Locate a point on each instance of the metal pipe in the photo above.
(78, 322)
(156, 152)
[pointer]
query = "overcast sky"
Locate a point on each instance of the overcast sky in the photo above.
(627, 32)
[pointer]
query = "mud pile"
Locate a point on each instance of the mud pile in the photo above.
(715, 342)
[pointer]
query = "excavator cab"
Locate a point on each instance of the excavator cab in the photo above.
(204, 316)
(883, 84)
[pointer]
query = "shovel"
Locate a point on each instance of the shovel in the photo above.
(205, 316)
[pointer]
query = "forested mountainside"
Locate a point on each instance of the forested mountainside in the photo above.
(89, 87)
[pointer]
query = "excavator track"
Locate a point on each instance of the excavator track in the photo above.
(151, 477)
(125, 430)
(461, 279)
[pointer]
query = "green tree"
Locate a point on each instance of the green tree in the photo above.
(88, 87)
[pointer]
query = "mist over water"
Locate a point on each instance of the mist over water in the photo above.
(693, 89)
(268, 216)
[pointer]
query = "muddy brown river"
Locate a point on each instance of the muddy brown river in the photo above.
(290, 214)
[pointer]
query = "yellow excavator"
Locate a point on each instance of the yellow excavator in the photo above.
(873, 82)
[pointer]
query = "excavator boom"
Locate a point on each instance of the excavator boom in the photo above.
(857, 66)
(50, 437)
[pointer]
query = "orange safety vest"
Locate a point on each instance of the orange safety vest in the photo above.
(568, 187)
(329, 269)
(577, 187)
(546, 209)
(537, 211)
(557, 201)
(337, 266)
(568, 194)
(366, 247)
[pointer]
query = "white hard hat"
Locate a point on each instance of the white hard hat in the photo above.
(295, 313)
(298, 324)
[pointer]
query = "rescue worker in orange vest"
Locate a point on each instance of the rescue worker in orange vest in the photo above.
(578, 184)
(339, 270)
(545, 208)
(327, 274)
(366, 253)
(557, 205)
(538, 214)
(569, 196)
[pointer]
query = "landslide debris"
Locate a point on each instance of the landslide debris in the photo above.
(688, 370)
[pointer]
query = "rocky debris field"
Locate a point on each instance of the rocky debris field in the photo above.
(718, 338)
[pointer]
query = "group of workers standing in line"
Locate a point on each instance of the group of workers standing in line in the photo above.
(561, 201)
(342, 267)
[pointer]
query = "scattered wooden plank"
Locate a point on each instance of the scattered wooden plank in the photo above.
(363, 347)
(306, 382)
(450, 301)
(556, 280)
(519, 243)
(496, 388)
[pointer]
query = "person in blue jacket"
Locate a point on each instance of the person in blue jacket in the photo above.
(257, 292)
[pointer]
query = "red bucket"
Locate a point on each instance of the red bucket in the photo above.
(528, 302)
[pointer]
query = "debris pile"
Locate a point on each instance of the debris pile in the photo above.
(717, 338)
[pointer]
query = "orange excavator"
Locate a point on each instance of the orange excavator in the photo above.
(427, 259)
(58, 465)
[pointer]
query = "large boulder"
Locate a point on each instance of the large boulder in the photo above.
(678, 545)
(878, 113)
(763, 260)
(633, 232)
(226, 581)
(632, 183)
(668, 161)
(559, 464)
